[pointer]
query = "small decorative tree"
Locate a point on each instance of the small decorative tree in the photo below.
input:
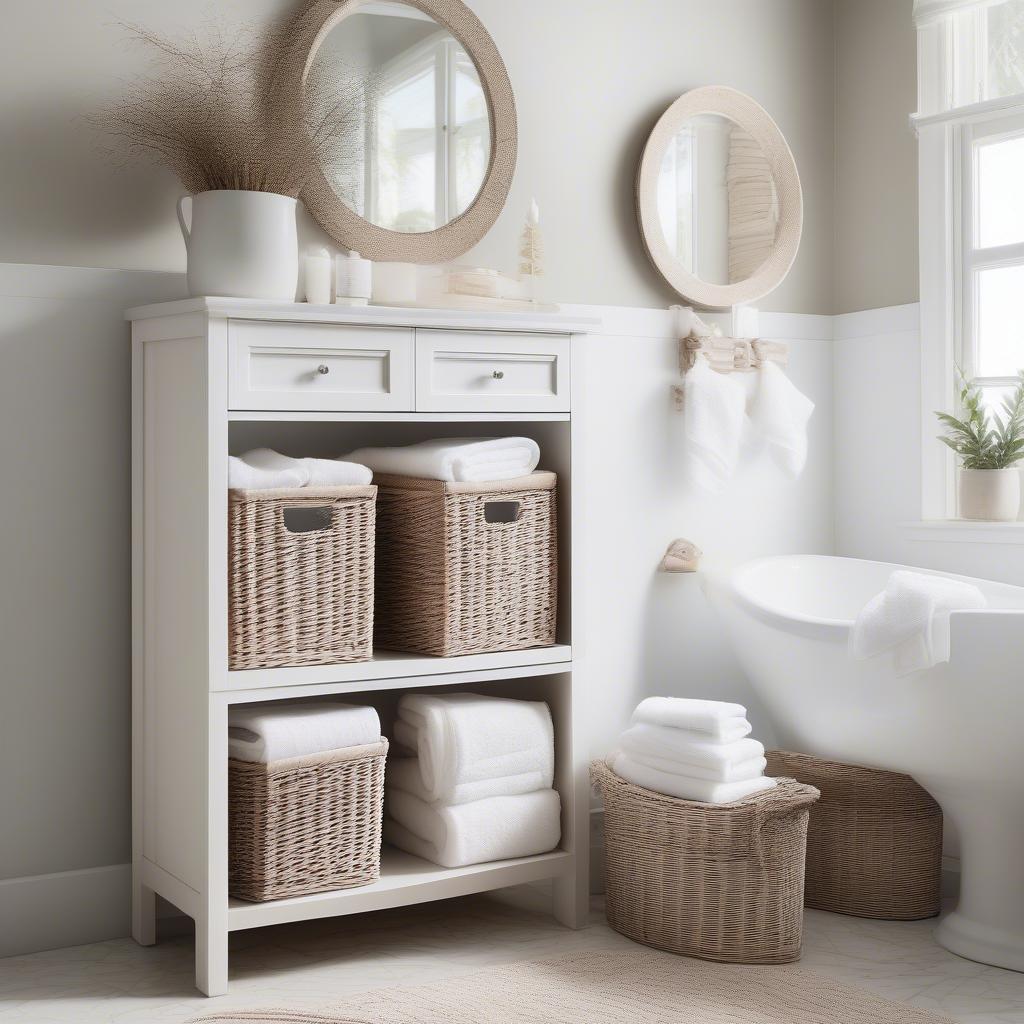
(531, 250)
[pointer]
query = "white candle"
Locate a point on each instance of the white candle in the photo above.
(352, 280)
(317, 268)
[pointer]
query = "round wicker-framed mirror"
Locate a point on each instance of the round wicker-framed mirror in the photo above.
(437, 150)
(719, 198)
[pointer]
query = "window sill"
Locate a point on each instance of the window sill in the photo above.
(965, 531)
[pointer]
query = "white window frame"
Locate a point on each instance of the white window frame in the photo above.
(440, 52)
(952, 117)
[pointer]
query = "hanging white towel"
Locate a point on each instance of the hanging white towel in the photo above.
(720, 720)
(779, 417)
(455, 459)
(271, 732)
(741, 771)
(910, 619)
(683, 787)
(688, 747)
(404, 773)
(464, 738)
(263, 468)
(714, 413)
(495, 829)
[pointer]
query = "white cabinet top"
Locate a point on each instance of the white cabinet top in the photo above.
(261, 309)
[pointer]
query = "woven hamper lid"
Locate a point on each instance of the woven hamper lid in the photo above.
(708, 831)
(539, 481)
(854, 785)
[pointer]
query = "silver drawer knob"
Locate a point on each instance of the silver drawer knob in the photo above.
(498, 375)
(323, 368)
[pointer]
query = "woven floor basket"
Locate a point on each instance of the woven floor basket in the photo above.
(721, 882)
(305, 824)
(300, 576)
(874, 844)
(453, 578)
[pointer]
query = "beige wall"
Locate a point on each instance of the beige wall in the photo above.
(590, 76)
(876, 155)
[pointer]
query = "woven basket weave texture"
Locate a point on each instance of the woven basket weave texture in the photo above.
(451, 582)
(874, 843)
(305, 824)
(300, 598)
(720, 882)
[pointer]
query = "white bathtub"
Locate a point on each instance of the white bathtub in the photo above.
(958, 728)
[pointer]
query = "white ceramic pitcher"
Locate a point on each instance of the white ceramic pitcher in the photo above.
(241, 244)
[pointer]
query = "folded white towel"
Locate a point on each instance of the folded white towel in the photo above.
(910, 618)
(498, 828)
(271, 732)
(779, 416)
(681, 786)
(404, 773)
(688, 747)
(455, 458)
(263, 468)
(714, 414)
(244, 476)
(739, 772)
(464, 738)
(718, 719)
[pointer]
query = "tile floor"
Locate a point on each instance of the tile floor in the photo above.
(315, 963)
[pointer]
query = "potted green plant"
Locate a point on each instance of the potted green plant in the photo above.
(989, 445)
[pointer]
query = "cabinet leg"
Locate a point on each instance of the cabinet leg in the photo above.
(571, 903)
(211, 959)
(143, 913)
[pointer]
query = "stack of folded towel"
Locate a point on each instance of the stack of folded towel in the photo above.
(473, 781)
(264, 469)
(455, 459)
(274, 732)
(692, 749)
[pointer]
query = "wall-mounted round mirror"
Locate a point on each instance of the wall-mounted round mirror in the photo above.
(719, 199)
(428, 161)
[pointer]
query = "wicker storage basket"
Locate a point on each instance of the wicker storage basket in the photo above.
(305, 824)
(874, 844)
(721, 882)
(455, 576)
(300, 576)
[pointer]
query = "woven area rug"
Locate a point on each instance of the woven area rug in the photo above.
(612, 988)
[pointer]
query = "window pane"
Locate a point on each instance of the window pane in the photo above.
(1005, 49)
(1000, 196)
(1000, 322)
(472, 134)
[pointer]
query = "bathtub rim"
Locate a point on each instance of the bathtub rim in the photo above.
(822, 627)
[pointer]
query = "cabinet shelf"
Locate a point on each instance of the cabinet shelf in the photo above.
(395, 670)
(404, 880)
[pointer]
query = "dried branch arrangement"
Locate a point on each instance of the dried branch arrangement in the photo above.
(215, 111)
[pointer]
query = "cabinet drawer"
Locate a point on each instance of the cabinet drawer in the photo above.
(468, 371)
(319, 367)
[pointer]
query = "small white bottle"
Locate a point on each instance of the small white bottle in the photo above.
(316, 265)
(353, 278)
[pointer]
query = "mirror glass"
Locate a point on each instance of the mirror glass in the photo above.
(717, 201)
(419, 147)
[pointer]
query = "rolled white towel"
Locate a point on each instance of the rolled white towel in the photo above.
(271, 732)
(455, 459)
(404, 773)
(337, 473)
(688, 747)
(498, 828)
(739, 772)
(910, 619)
(464, 738)
(682, 787)
(719, 720)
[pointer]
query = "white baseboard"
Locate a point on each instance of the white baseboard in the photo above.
(69, 908)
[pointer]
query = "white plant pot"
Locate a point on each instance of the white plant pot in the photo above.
(241, 244)
(992, 494)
